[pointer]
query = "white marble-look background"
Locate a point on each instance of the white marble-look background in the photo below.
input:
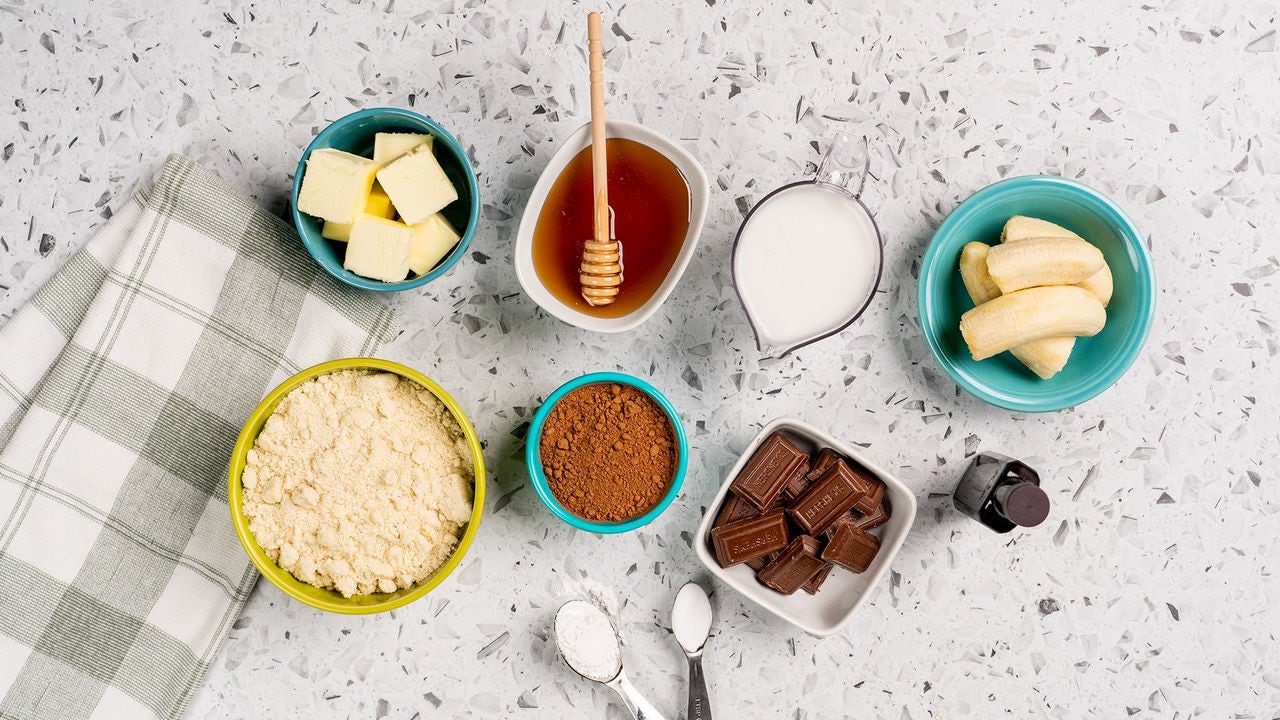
(1151, 591)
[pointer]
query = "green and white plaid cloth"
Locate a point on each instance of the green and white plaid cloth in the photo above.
(123, 386)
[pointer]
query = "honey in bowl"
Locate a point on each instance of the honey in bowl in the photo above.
(650, 202)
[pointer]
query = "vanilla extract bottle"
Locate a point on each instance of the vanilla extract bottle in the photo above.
(1001, 493)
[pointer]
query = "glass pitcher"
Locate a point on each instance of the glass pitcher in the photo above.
(808, 257)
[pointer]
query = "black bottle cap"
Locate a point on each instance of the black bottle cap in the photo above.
(1023, 503)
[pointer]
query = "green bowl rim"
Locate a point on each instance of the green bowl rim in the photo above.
(539, 480)
(312, 240)
(280, 577)
(1144, 297)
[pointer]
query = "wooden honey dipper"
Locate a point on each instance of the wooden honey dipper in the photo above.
(600, 273)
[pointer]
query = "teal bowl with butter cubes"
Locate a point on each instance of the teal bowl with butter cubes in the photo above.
(355, 133)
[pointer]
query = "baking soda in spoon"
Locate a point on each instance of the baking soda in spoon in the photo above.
(589, 645)
(587, 641)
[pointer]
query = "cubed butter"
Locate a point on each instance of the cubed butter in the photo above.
(379, 248)
(379, 204)
(417, 185)
(336, 185)
(433, 238)
(389, 146)
(340, 232)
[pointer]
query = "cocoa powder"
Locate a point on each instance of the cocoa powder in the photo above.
(608, 452)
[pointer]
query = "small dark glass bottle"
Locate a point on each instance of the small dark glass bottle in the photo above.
(1001, 493)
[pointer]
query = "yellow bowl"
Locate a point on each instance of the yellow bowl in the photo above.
(329, 599)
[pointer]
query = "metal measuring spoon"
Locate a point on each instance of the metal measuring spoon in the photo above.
(589, 645)
(691, 624)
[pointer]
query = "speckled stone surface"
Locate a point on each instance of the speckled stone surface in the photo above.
(1151, 591)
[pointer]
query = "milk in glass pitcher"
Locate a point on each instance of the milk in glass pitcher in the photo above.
(808, 257)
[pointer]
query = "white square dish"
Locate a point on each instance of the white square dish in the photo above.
(844, 592)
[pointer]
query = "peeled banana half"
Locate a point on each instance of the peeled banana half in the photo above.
(1042, 261)
(974, 275)
(1046, 357)
(1028, 315)
(1021, 227)
(1100, 284)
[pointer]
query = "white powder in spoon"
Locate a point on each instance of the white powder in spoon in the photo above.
(587, 641)
(691, 617)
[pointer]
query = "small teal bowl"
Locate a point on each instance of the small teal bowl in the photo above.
(354, 134)
(533, 458)
(1097, 362)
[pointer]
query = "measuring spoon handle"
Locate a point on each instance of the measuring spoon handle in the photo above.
(639, 708)
(699, 702)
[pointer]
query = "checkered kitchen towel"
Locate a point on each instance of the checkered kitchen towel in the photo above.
(123, 386)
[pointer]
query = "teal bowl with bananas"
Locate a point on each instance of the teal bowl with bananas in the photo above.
(1096, 362)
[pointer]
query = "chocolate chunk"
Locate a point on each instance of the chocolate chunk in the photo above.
(767, 471)
(851, 548)
(750, 538)
(758, 564)
(734, 509)
(847, 518)
(828, 498)
(864, 522)
(794, 566)
(797, 483)
(875, 493)
(877, 518)
(826, 458)
(815, 582)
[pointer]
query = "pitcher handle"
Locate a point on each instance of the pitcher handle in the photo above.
(845, 164)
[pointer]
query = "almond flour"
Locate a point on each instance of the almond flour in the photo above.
(360, 481)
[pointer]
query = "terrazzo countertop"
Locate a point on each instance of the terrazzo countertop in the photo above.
(1151, 591)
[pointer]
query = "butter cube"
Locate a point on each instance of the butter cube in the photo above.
(379, 204)
(379, 248)
(336, 185)
(432, 240)
(389, 146)
(339, 232)
(417, 185)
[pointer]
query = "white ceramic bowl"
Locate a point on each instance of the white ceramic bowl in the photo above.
(581, 138)
(843, 592)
